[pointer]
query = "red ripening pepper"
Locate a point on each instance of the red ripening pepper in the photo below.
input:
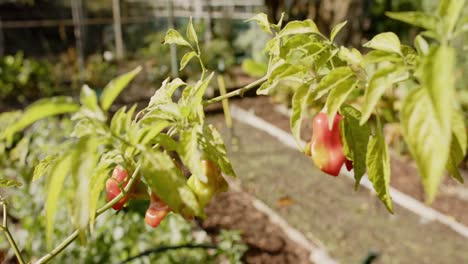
(119, 177)
(156, 212)
(326, 146)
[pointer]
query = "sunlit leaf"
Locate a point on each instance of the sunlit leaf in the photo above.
(299, 27)
(458, 145)
(174, 37)
(190, 153)
(336, 29)
(186, 58)
(418, 19)
(262, 20)
(338, 96)
(114, 87)
(191, 33)
(387, 41)
(299, 101)
(213, 147)
(333, 79)
(7, 182)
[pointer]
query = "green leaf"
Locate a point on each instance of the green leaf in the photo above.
(438, 79)
(336, 29)
(418, 19)
(88, 98)
(168, 182)
(43, 167)
(427, 141)
(333, 79)
(114, 87)
(376, 56)
(213, 148)
(387, 41)
(299, 27)
(191, 33)
(253, 68)
(262, 20)
(190, 153)
(378, 168)
(299, 101)
(164, 94)
(7, 182)
(337, 97)
(421, 45)
(458, 145)
(174, 37)
(55, 185)
(148, 133)
(352, 56)
(355, 140)
(382, 80)
(450, 11)
(186, 58)
(39, 110)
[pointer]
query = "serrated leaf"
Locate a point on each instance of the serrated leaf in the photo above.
(186, 58)
(299, 27)
(387, 41)
(298, 102)
(418, 19)
(378, 169)
(355, 140)
(438, 79)
(458, 145)
(55, 185)
(333, 79)
(262, 21)
(168, 182)
(338, 96)
(174, 37)
(382, 80)
(39, 110)
(115, 87)
(336, 29)
(191, 33)
(213, 147)
(7, 182)
(427, 141)
(190, 153)
(43, 166)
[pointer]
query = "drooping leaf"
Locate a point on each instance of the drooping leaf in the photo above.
(427, 141)
(190, 153)
(336, 29)
(43, 166)
(338, 96)
(115, 87)
(39, 110)
(168, 182)
(458, 145)
(387, 41)
(299, 101)
(213, 147)
(355, 139)
(55, 185)
(333, 79)
(439, 80)
(378, 168)
(174, 37)
(418, 19)
(186, 58)
(382, 80)
(262, 20)
(163, 94)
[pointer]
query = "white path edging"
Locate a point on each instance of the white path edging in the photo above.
(403, 200)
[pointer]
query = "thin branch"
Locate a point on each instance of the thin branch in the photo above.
(101, 210)
(165, 248)
(10, 238)
(239, 91)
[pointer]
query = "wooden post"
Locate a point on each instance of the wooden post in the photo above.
(119, 47)
(77, 15)
(171, 25)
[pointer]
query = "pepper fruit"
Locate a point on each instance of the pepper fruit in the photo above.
(216, 183)
(156, 211)
(118, 180)
(326, 146)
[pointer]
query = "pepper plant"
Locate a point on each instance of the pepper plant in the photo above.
(160, 141)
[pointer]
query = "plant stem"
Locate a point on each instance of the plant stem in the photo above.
(10, 238)
(239, 91)
(101, 210)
